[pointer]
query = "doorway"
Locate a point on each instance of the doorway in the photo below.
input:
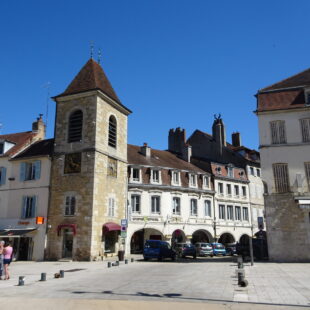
(67, 243)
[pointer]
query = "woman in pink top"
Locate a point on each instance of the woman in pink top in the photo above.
(7, 252)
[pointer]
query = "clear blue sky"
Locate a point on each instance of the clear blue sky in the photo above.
(172, 62)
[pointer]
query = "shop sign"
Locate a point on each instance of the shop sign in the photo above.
(123, 234)
(124, 222)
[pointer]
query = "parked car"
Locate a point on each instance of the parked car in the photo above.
(185, 249)
(159, 250)
(204, 249)
(231, 249)
(218, 249)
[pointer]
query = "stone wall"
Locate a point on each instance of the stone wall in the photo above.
(288, 229)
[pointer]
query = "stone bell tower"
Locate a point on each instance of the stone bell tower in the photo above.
(88, 178)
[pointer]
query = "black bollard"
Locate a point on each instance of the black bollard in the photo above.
(126, 261)
(240, 265)
(109, 264)
(21, 281)
(43, 276)
(243, 283)
(132, 260)
(62, 273)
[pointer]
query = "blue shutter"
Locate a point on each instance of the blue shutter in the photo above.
(22, 173)
(37, 167)
(24, 207)
(3, 175)
(34, 206)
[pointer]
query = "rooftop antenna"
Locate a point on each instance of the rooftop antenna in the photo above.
(91, 49)
(99, 55)
(47, 86)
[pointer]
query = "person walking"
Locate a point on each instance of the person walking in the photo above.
(1, 258)
(8, 253)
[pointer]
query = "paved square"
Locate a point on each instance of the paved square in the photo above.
(195, 281)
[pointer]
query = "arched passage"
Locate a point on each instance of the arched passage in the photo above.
(201, 235)
(177, 237)
(139, 237)
(244, 240)
(226, 238)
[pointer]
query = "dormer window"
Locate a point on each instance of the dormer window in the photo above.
(307, 96)
(218, 170)
(230, 172)
(155, 176)
(192, 180)
(1, 148)
(205, 181)
(175, 178)
(135, 174)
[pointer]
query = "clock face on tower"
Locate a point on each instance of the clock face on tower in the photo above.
(72, 163)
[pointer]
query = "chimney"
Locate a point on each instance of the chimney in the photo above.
(236, 139)
(38, 127)
(219, 134)
(145, 150)
(187, 153)
(176, 140)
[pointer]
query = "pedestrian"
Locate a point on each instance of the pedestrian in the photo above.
(1, 258)
(8, 254)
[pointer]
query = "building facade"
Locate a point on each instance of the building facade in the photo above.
(283, 111)
(24, 191)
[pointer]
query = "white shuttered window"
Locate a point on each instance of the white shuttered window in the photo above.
(281, 178)
(278, 134)
(305, 129)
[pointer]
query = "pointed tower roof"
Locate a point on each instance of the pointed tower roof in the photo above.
(91, 77)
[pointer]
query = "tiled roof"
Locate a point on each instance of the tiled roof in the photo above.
(279, 100)
(298, 80)
(21, 140)
(91, 77)
(40, 148)
(239, 173)
(158, 158)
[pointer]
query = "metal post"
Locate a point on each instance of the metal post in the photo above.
(21, 281)
(132, 260)
(43, 276)
(126, 261)
(109, 264)
(251, 250)
(62, 273)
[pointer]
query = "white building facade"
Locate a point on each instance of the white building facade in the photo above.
(283, 112)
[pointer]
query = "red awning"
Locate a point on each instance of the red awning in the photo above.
(72, 226)
(110, 227)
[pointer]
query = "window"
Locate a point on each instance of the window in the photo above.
(245, 214)
(305, 129)
(205, 181)
(258, 172)
(135, 203)
(307, 169)
(75, 126)
(238, 213)
(244, 191)
(220, 188)
(29, 207)
(230, 213)
(70, 205)
(236, 187)
(207, 208)
(230, 172)
(192, 180)
(111, 211)
(136, 174)
(176, 206)
(112, 131)
(73, 163)
(112, 167)
(1, 148)
(155, 207)
(222, 212)
(252, 171)
(281, 179)
(194, 209)
(2, 175)
(30, 171)
(228, 189)
(175, 177)
(155, 176)
(278, 134)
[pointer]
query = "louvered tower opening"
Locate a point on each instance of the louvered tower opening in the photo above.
(75, 126)
(112, 131)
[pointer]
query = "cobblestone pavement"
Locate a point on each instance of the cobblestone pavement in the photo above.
(195, 281)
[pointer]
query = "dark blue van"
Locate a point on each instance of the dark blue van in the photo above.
(158, 249)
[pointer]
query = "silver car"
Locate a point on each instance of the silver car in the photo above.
(204, 249)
